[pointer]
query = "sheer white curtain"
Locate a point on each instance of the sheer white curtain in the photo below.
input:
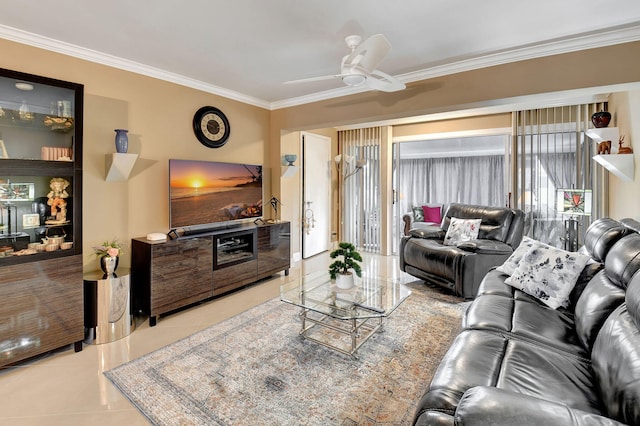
(469, 180)
(360, 208)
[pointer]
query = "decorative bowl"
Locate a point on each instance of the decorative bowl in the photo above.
(53, 240)
(601, 119)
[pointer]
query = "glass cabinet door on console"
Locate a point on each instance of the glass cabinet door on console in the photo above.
(40, 214)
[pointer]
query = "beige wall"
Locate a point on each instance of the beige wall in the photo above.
(159, 116)
(624, 197)
(494, 121)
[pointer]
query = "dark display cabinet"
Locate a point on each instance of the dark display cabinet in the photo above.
(40, 215)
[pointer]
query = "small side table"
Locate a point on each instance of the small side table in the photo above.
(107, 306)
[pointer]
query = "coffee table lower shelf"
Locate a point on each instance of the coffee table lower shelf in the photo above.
(357, 330)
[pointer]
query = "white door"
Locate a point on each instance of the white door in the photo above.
(316, 196)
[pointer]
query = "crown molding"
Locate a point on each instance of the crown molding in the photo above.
(608, 37)
(318, 96)
(616, 35)
(68, 49)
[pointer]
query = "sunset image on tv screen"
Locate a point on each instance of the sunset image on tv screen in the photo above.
(203, 192)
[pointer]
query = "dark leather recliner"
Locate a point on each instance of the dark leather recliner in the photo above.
(460, 268)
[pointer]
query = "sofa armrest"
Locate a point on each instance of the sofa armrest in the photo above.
(428, 232)
(482, 246)
(407, 219)
(483, 405)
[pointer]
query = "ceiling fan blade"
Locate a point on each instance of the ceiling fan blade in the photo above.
(307, 80)
(368, 55)
(379, 80)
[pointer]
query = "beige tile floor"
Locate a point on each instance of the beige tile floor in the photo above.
(68, 388)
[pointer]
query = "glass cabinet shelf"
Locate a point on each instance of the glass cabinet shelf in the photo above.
(37, 120)
(40, 168)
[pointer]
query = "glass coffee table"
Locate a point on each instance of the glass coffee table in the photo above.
(343, 319)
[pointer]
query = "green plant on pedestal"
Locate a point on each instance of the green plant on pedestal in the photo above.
(350, 259)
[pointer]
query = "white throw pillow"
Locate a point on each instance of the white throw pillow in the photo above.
(462, 230)
(509, 266)
(548, 274)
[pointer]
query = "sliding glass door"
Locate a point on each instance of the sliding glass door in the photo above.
(470, 170)
(553, 157)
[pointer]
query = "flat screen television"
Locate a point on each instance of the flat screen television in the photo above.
(206, 193)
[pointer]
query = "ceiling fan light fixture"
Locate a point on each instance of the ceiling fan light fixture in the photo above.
(354, 79)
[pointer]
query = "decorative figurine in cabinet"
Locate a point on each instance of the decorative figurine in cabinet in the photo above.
(40, 215)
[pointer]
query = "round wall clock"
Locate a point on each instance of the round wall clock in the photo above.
(211, 127)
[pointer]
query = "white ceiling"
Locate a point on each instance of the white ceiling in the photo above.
(246, 49)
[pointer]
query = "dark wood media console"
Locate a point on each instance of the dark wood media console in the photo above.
(172, 274)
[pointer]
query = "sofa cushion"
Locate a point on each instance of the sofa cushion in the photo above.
(485, 358)
(599, 298)
(601, 235)
(509, 266)
(616, 359)
(621, 266)
(461, 230)
(432, 214)
(478, 407)
(418, 213)
(430, 232)
(496, 221)
(485, 247)
(433, 257)
(590, 270)
(526, 319)
(549, 274)
(631, 223)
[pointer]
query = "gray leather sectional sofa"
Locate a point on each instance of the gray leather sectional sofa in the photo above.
(519, 362)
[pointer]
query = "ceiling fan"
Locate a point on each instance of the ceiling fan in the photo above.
(359, 67)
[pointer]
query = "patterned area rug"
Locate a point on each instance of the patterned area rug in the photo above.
(254, 369)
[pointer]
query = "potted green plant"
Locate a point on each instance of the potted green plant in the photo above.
(340, 270)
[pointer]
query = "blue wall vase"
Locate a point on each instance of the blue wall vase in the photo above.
(122, 141)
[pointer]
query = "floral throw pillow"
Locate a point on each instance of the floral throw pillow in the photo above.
(548, 274)
(509, 266)
(461, 230)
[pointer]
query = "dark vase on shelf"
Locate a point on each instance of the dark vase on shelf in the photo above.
(601, 119)
(122, 141)
(109, 264)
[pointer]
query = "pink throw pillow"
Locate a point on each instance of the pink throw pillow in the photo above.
(431, 214)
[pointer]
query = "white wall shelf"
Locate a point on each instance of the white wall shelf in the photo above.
(605, 134)
(620, 165)
(119, 166)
